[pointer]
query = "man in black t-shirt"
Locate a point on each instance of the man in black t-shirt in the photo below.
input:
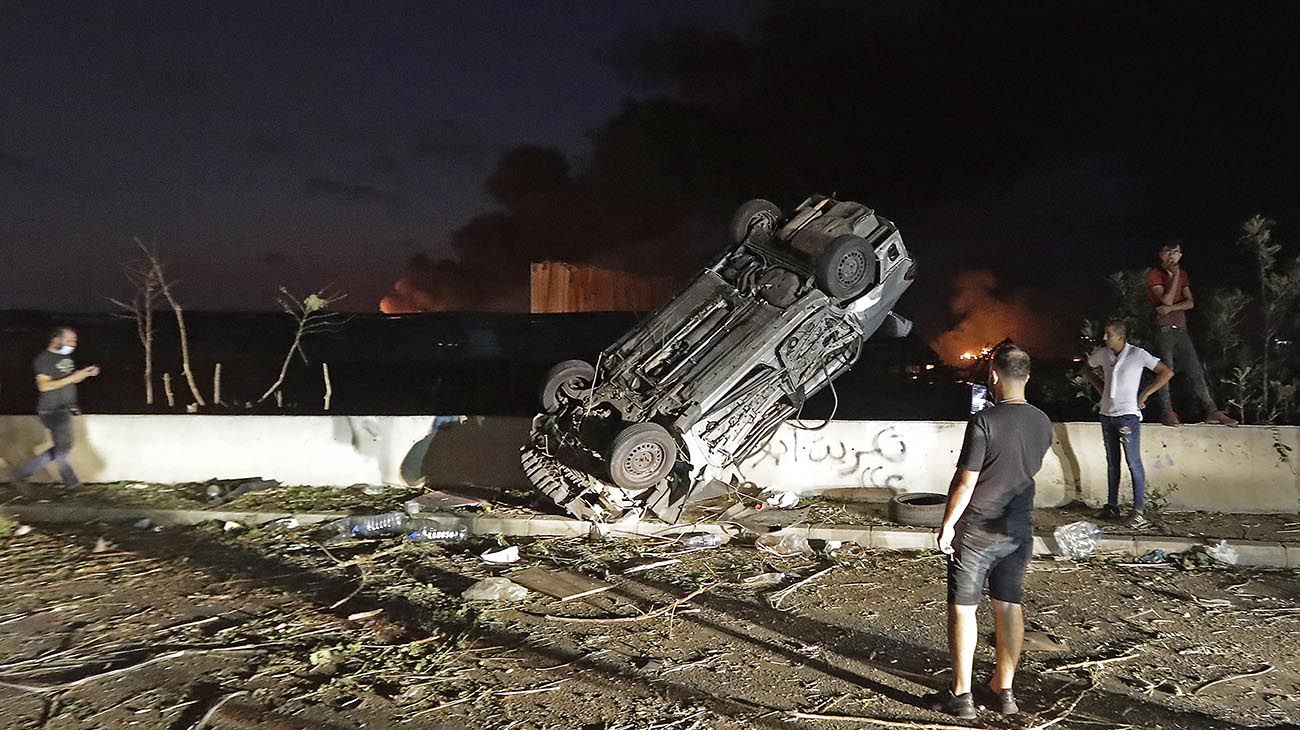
(56, 382)
(987, 533)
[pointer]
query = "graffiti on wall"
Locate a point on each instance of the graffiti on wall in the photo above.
(878, 464)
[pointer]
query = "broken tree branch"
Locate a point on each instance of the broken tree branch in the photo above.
(165, 287)
(632, 619)
(776, 598)
(1093, 663)
(55, 688)
(1260, 672)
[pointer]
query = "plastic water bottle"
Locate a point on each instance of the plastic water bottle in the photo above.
(1077, 539)
(703, 540)
(389, 523)
(436, 528)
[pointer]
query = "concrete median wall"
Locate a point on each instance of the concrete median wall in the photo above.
(1247, 469)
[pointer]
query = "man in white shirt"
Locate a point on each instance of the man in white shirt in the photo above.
(1121, 412)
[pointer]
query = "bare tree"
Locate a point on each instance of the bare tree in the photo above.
(141, 306)
(159, 276)
(312, 316)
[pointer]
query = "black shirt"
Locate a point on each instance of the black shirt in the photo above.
(57, 367)
(1006, 445)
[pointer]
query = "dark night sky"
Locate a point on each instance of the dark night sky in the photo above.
(1026, 151)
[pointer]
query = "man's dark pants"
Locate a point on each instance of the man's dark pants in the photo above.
(59, 424)
(1124, 433)
(1177, 351)
(990, 555)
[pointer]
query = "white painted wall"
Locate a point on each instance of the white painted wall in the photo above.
(1198, 467)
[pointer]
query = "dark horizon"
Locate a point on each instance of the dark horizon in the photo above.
(427, 154)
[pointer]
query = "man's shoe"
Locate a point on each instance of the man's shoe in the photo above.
(1135, 519)
(1170, 418)
(1004, 701)
(945, 701)
(1109, 512)
(1221, 418)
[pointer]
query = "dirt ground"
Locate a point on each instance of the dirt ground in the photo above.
(178, 628)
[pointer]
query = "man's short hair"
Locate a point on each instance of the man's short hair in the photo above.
(58, 331)
(1011, 362)
(1173, 244)
(1118, 325)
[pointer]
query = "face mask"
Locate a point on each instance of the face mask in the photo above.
(65, 350)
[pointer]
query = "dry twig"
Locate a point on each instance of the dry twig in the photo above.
(632, 619)
(1093, 663)
(1260, 672)
(776, 598)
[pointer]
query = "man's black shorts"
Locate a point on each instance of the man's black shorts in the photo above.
(979, 555)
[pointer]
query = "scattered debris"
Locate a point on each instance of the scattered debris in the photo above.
(436, 500)
(102, 546)
(651, 566)
(564, 585)
(784, 544)
(670, 608)
(1222, 552)
(222, 491)
(495, 589)
(781, 499)
(1257, 673)
(1077, 539)
(776, 598)
(704, 540)
(763, 580)
(232, 526)
(504, 556)
(143, 524)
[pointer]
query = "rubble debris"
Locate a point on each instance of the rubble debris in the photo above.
(784, 544)
(775, 599)
(495, 589)
(1222, 552)
(564, 585)
(1077, 539)
(780, 499)
(763, 580)
(703, 540)
(437, 500)
(651, 566)
(504, 556)
(221, 491)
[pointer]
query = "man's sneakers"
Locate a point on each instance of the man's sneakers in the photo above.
(1135, 519)
(1004, 701)
(1221, 418)
(945, 701)
(1109, 512)
(1170, 418)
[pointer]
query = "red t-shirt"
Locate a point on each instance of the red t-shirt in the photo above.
(1160, 277)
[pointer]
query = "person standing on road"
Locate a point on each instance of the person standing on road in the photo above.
(1122, 364)
(1169, 291)
(988, 534)
(56, 382)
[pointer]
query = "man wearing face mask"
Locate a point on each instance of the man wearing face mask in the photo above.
(56, 382)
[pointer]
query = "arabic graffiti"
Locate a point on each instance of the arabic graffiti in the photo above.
(876, 466)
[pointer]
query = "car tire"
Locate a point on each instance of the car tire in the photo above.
(918, 509)
(847, 267)
(641, 456)
(755, 222)
(568, 379)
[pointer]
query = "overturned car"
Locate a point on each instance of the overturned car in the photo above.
(704, 382)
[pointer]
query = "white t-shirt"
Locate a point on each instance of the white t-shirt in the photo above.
(1123, 378)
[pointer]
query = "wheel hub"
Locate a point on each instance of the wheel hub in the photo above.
(851, 268)
(644, 459)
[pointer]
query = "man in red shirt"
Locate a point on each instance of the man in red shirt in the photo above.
(1170, 292)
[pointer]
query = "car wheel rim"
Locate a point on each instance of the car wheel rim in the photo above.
(851, 268)
(644, 460)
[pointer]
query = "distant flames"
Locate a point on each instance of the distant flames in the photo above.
(985, 318)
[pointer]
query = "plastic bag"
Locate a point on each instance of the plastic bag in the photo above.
(1222, 552)
(495, 589)
(784, 544)
(1077, 539)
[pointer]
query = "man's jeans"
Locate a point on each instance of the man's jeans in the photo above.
(1177, 351)
(1124, 432)
(59, 424)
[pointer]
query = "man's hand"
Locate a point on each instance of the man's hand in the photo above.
(946, 536)
(88, 372)
(1164, 309)
(1142, 403)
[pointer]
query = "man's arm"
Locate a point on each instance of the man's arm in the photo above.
(1167, 297)
(1088, 372)
(45, 383)
(1186, 304)
(1163, 375)
(959, 494)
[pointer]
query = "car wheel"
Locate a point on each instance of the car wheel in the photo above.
(569, 379)
(847, 267)
(755, 222)
(642, 455)
(919, 509)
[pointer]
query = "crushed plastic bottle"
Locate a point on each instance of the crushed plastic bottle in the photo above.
(784, 544)
(382, 525)
(1077, 539)
(1222, 552)
(703, 540)
(495, 589)
(436, 528)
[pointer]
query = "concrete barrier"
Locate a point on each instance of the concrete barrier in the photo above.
(1213, 468)
(1201, 467)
